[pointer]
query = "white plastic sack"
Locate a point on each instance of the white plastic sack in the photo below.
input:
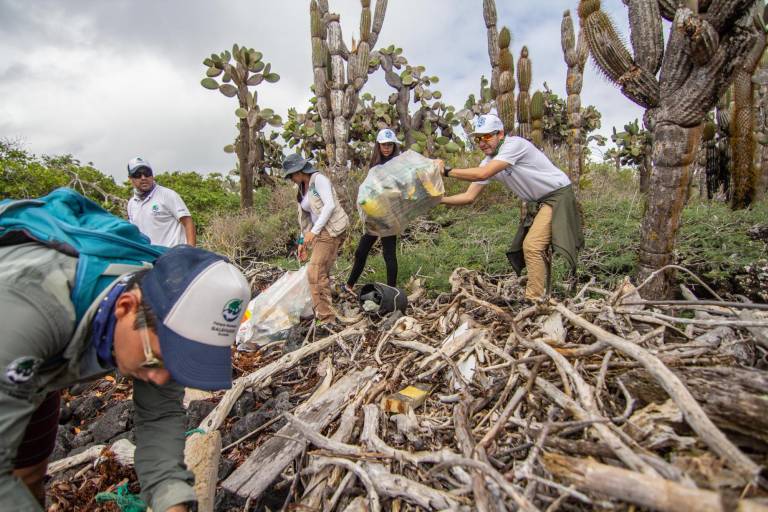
(273, 312)
(398, 191)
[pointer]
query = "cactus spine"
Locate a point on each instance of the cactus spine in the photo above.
(246, 70)
(523, 97)
(704, 47)
(340, 73)
(575, 53)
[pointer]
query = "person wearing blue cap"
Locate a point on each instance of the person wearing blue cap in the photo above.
(165, 327)
(323, 224)
(385, 149)
(552, 213)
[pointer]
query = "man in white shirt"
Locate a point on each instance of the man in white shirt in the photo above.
(552, 213)
(157, 211)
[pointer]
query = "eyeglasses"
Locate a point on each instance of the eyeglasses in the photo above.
(150, 359)
(486, 137)
(142, 172)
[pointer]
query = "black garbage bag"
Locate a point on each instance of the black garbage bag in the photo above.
(387, 298)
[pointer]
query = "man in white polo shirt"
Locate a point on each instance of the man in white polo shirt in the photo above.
(157, 211)
(552, 213)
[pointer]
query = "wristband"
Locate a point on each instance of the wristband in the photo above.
(447, 170)
(300, 240)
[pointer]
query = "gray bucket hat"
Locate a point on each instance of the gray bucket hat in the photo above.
(295, 163)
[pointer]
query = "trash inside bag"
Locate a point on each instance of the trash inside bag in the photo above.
(273, 312)
(381, 299)
(398, 191)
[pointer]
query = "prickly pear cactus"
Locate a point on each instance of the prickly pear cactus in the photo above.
(301, 132)
(239, 71)
(476, 106)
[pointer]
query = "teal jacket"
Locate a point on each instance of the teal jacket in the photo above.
(567, 237)
(39, 328)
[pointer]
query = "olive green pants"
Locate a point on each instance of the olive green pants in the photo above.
(324, 254)
(535, 247)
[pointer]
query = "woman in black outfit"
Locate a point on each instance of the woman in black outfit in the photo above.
(386, 148)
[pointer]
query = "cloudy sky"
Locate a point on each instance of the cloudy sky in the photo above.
(106, 80)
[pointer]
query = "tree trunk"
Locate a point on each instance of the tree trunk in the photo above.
(246, 171)
(674, 148)
(732, 397)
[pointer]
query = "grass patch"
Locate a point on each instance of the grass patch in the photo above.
(713, 241)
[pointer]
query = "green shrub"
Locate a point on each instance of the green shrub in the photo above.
(265, 232)
(205, 196)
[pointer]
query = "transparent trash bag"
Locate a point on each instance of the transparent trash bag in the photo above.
(273, 312)
(395, 193)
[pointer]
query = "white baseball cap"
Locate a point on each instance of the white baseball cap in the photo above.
(199, 299)
(134, 164)
(487, 123)
(386, 135)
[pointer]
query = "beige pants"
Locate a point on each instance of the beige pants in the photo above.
(535, 247)
(324, 253)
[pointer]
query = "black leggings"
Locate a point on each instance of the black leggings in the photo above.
(389, 248)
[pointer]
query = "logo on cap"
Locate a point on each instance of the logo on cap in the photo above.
(389, 134)
(232, 309)
(480, 121)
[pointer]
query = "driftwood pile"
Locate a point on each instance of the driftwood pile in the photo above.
(601, 402)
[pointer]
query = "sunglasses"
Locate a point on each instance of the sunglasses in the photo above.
(150, 359)
(484, 137)
(143, 172)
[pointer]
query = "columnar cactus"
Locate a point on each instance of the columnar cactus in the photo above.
(505, 99)
(745, 177)
(489, 16)
(719, 168)
(247, 70)
(575, 52)
(523, 97)
(706, 45)
(760, 79)
(537, 116)
(340, 72)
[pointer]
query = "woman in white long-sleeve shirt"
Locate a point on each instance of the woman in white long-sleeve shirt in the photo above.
(323, 225)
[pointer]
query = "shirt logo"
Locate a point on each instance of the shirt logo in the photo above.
(155, 209)
(22, 369)
(232, 309)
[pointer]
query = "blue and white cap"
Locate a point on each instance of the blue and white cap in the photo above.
(487, 123)
(199, 299)
(386, 135)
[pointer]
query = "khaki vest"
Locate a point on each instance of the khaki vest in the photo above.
(339, 220)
